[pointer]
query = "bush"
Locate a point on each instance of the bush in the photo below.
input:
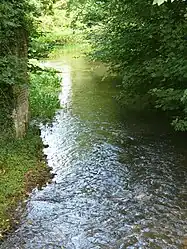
(146, 44)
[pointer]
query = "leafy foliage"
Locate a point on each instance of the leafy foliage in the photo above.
(146, 44)
(18, 21)
(44, 90)
(54, 29)
(88, 12)
(11, 70)
(21, 165)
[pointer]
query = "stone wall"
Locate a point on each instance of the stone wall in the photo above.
(14, 103)
(6, 107)
(20, 92)
(21, 110)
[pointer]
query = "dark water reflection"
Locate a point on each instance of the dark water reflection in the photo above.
(120, 182)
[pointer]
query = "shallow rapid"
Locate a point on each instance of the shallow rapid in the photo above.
(120, 179)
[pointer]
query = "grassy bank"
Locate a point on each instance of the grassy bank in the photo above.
(22, 168)
(22, 164)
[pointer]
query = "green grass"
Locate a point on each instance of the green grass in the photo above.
(22, 166)
(20, 162)
(44, 91)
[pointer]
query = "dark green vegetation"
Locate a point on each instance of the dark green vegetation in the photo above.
(44, 93)
(22, 166)
(142, 42)
(146, 44)
(53, 31)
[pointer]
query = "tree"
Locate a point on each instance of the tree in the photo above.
(146, 45)
(17, 23)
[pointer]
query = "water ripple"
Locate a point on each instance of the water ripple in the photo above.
(113, 188)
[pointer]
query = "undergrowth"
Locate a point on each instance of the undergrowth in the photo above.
(44, 91)
(22, 165)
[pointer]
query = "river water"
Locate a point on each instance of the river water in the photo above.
(120, 179)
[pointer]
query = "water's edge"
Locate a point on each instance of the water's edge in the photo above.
(120, 181)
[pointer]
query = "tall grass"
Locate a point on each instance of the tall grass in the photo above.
(44, 91)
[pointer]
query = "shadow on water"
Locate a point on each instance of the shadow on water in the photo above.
(120, 179)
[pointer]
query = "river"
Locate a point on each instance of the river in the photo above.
(120, 179)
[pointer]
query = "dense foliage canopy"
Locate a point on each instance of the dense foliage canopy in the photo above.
(18, 20)
(146, 43)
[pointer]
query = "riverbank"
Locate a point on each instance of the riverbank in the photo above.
(121, 176)
(22, 168)
(22, 162)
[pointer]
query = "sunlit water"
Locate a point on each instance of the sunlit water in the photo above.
(121, 181)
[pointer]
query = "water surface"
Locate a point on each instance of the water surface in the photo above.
(120, 180)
